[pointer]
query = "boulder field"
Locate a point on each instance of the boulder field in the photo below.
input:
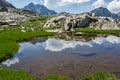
(11, 16)
(68, 22)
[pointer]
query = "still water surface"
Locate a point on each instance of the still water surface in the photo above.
(71, 58)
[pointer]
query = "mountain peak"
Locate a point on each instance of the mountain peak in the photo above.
(40, 9)
(101, 8)
(32, 4)
(101, 11)
(4, 3)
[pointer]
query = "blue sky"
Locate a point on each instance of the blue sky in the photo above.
(71, 6)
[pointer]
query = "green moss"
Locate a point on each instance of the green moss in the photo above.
(7, 74)
(55, 77)
(35, 23)
(100, 75)
(9, 39)
(98, 31)
(9, 36)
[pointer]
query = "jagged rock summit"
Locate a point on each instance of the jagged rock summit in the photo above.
(40, 9)
(104, 12)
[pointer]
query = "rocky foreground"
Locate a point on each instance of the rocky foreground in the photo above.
(69, 22)
(11, 16)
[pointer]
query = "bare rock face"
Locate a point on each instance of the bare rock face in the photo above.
(10, 16)
(105, 23)
(54, 21)
(72, 21)
(77, 20)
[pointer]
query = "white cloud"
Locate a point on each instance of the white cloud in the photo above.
(114, 6)
(56, 3)
(99, 3)
(41, 1)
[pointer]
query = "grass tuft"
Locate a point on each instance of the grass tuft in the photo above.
(55, 77)
(100, 75)
(7, 74)
(98, 31)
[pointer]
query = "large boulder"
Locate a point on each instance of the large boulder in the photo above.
(53, 22)
(81, 21)
(6, 22)
(105, 23)
(72, 21)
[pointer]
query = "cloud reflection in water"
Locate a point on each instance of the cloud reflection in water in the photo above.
(59, 45)
(10, 62)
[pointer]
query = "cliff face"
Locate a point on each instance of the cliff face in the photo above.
(4, 3)
(71, 21)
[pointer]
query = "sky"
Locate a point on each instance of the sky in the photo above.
(71, 6)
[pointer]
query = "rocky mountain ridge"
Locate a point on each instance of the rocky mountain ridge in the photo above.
(40, 9)
(104, 12)
(118, 14)
(4, 3)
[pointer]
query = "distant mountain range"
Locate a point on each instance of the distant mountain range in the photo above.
(4, 3)
(31, 7)
(101, 11)
(40, 9)
(118, 14)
